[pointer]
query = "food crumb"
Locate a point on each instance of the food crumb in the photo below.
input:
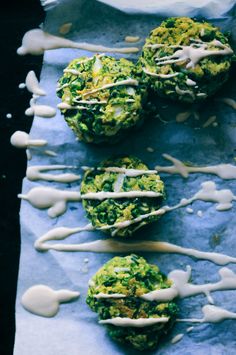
(64, 29)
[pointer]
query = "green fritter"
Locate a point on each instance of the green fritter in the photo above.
(132, 276)
(109, 211)
(186, 60)
(102, 98)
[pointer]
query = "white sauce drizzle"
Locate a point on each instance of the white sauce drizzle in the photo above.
(65, 106)
(21, 139)
(184, 92)
(44, 111)
(182, 288)
(163, 76)
(127, 172)
(110, 246)
(36, 41)
(177, 338)
(224, 171)
(183, 116)
(132, 39)
(129, 82)
(44, 301)
(102, 295)
(121, 269)
(52, 199)
(228, 101)
(189, 210)
(209, 121)
(50, 153)
(135, 323)
(36, 172)
(56, 200)
(194, 53)
(32, 84)
(189, 329)
(212, 314)
(190, 82)
(8, 115)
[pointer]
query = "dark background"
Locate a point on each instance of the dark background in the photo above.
(16, 17)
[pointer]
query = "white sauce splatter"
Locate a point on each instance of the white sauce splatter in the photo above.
(52, 199)
(32, 84)
(8, 115)
(21, 139)
(224, 171)
(194, 53)
(209, 121)
(36, 41)
(212, 314)
(183, 288)
(36, 172)
(44, 301)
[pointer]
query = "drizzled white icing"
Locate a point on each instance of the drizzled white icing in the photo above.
(32, 84)
(182, 288)
(37, 41)
(224, 171)
(21, 139)
(135, 323)
(212, 314)
(36, 172)
(44, 301)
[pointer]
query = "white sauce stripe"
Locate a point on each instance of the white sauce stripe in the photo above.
(212, 314)
(135, 323)
(128, 82)
(110, 246)
(183, 288)
(35, 173)
(224, 171)
(21, 139)
(37, 41)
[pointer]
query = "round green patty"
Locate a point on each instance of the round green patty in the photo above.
(186, 82)
(101, 115)
(133, 277)
(110, 211)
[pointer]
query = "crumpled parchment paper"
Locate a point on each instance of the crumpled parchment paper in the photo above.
(75, 330)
